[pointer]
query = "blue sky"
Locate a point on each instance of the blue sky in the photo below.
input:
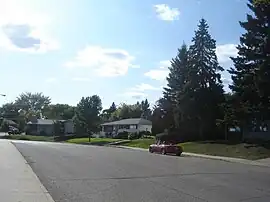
(118, 49)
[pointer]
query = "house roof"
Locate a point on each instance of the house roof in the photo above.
(134, 121)
(10, 122)
(42, 122)
(46, 121)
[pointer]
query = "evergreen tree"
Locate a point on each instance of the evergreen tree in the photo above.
(251, 72)
(177, 78)
(203, 91)
(145, 107)
(112, 108)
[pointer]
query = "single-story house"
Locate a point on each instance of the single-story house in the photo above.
(257, 130)
(47, 127)
(10, 122)
(133, 125)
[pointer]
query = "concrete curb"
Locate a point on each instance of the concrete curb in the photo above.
(221, 158)
(44, 190)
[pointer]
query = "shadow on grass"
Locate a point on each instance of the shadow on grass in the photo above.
(247, 144)
(99, 143)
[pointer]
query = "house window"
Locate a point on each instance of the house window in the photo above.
(133, 126)
(258, 126)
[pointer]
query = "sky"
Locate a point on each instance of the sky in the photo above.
(117, 49)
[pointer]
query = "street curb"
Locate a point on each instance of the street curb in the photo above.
(44, 190)
(220, 158)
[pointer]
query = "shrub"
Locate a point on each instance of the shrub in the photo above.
(144, 133)
(134, 136)
(122, 135)
(43, 133)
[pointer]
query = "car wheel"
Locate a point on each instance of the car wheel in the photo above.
(150, 150)
(178, 153)
(163, 151)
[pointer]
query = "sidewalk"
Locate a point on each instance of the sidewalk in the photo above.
(262, 162)
(18, 182)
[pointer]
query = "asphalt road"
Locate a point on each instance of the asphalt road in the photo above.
(75, 173)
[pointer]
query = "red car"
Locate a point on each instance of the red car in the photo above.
(166, 148)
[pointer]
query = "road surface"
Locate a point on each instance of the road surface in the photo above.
(76, 173)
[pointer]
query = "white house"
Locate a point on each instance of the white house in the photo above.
(134, 125)
(46, 127)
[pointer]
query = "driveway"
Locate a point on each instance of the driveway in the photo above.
(2, 134)
(77, 173)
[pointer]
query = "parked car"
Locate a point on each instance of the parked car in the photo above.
(166, 148)
(13, 131)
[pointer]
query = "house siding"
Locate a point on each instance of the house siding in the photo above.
(247, 134)
(69, 127)
(47, 130)
(145, 128)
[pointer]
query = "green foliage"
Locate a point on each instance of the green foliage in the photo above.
(140, 143)
(204, 89)
(86, 119)
(32, 101)
(251, 72)
(43, 133)
(4, 126)
(146, 111)
(134, 136)
(122, 135)
(59, 111)
(177, 80)
(9, 111)
(125, 111)
(29, 137)
(57, 128)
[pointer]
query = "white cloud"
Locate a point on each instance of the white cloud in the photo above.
(83, 79)
(160, 73)
(23, 29)
(165, 64)
(143, 87)
(135, 66)
(164, 12)
(105, 62)
(157, 74)
(225, 51)
(134, 95)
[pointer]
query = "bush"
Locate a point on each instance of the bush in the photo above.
(43, 133)
(122, 135)
(134, 136)
(169, 137)
(4, 127)
(144, 133)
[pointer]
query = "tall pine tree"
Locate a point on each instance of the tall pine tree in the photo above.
(251, 72)
(203, 93)
(177, 78)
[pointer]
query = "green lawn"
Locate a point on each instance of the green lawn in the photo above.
(94, 141)
(247, 151)
(141, 143)
(29, 137)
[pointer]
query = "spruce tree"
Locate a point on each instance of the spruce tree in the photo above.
(204, 90)
(251, 72)
(176, 81)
